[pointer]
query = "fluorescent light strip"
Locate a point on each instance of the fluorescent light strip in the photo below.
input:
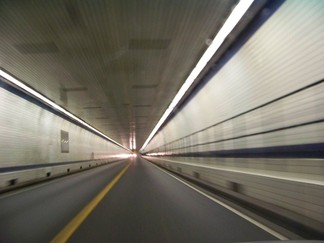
(228, 26)
(54, 105)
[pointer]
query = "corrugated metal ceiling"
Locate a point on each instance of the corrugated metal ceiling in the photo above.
(116, 64)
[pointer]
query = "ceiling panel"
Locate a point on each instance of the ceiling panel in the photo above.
(117, 64)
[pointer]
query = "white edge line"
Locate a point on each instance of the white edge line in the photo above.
(305, 181)
(256, 223)
(56, 179)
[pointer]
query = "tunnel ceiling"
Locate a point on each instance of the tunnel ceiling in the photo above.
(116, 64)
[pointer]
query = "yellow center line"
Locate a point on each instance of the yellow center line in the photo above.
(72, 226)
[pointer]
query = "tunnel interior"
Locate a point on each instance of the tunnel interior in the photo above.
(226, 96)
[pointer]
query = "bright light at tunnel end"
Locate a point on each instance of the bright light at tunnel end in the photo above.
(235, 16)
(50, 103)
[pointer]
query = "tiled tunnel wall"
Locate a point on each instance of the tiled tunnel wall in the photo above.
(255, 129)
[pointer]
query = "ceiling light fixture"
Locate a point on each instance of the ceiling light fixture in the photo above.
(55, 106)
(235, 16)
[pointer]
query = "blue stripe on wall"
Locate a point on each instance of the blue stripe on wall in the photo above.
(35, 101)
(289, 151)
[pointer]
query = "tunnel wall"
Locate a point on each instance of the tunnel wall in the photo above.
(255, 129)
(37, 142)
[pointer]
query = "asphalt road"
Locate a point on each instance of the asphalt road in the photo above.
(145, 205)
(38, 213)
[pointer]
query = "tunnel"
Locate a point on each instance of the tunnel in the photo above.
(161, 121)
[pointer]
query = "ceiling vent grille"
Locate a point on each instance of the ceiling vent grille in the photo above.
(37, 48)
(148, 44)
(145, 86)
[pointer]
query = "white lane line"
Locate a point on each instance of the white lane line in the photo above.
(256, 223)
(28, 188)
(49, 181)
(287, 178)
